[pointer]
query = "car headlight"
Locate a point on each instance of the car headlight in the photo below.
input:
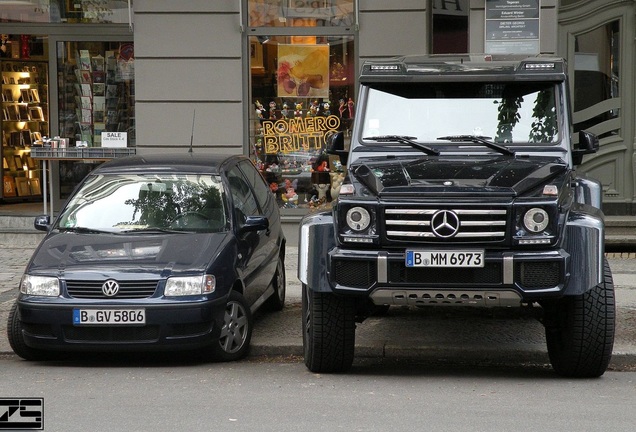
(40, 286)
(358, 218)
(536, 220)
(191, 285)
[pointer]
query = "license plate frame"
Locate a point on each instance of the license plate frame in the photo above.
(109, 316)
(465, 258)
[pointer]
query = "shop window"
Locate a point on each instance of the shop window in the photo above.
(96, 95)
(302, 93)
(597, 80)
(66, 11)
(450, 26)
(301, 13)
(24, 123)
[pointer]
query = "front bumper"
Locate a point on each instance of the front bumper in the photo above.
(175, 325)
(506, 279)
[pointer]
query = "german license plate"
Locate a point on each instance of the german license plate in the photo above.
(454, 258)
(109, 316)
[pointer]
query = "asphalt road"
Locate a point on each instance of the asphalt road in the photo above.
(133, 394)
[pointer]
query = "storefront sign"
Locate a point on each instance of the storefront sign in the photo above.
(114, 139)
(512, 27)
(298, 134)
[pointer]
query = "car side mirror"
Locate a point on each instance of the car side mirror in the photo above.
(254, 223)
(588, 143)
(42, 223)
(336, 146)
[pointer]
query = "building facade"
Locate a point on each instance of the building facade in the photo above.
(274, 78)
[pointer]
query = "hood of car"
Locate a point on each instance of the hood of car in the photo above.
(509, 176)
(70, 255)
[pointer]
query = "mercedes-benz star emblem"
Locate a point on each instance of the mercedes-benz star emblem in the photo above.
(110, 288)
(445, 224)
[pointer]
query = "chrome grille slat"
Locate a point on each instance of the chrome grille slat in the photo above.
(414, 224)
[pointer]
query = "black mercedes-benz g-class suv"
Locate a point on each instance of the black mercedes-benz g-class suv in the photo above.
(461, 189)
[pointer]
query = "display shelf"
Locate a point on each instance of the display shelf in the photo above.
(72, 153)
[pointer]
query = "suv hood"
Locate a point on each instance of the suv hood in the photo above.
(500, 175)
(71, 254)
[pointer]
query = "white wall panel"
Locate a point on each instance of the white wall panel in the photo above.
(393, 33)
(188, 80)
(187, 35)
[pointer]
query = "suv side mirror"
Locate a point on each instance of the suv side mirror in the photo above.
(336, 146)
(588, 143)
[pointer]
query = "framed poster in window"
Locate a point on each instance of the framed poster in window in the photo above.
(22, 186)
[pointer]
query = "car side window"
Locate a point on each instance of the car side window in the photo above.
(242, 195)
(263, 193)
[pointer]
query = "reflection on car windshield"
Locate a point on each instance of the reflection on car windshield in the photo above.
(508, 112)
(129, 203)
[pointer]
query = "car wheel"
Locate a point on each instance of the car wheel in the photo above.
(328, 331)
(236, 332)
(276, 301)
(580, 331)
(16, 338)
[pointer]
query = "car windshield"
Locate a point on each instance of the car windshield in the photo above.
(511, 112)
(122, 203)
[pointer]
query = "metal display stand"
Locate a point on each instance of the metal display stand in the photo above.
(48, 155)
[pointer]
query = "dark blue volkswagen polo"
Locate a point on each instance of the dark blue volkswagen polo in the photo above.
(154, 252)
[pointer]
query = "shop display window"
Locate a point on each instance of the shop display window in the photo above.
(96, 95)
(301, 13)
(66, 11)
(24, 121)
(302, 92)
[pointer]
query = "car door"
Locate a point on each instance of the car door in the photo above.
(252, 245)
(267, 203)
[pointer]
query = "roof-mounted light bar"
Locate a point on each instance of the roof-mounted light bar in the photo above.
(390, 67)
(539, 66)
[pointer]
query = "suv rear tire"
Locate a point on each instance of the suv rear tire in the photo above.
(328, 331)
(580, 330)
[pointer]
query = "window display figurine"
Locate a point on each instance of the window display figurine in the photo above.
(350, 107)
(325, 109)
(342, 108)
(298, 112)
(290, 198)
(272, 110)
(285, 112)
(336, 183)
(260, 110)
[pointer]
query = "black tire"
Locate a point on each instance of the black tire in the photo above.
(328, 331)
(276, 302)
(236, 332)
(16, 338)
(580, 331)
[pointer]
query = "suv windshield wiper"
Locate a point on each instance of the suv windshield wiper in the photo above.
(480, 140)
(152, 230)
(404, 140)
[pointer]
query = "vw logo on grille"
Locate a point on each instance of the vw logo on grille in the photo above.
(445, 224)
(110, 288)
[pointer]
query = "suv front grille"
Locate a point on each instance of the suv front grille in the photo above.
(436, 225)
(127, 289)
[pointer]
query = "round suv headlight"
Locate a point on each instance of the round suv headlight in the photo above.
(358, 218)
(536, 220)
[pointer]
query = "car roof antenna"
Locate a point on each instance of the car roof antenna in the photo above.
(194, 114)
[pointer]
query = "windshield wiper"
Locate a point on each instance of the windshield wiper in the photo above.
(84, 230)
(404, 140)
(153, 230)
(480, 140)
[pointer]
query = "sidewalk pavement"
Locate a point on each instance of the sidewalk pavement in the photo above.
(459, 335)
